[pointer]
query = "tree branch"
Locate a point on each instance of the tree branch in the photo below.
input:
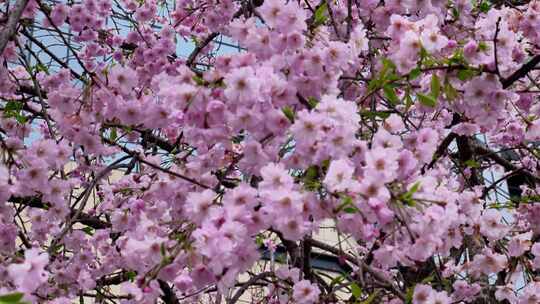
(379, 277)
(521, 72)
(83, 218)
(11, 26)
(247, 284)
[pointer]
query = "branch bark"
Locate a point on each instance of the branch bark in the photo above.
(379, 277)
(521, 72)
(83, 218)
(11, 26)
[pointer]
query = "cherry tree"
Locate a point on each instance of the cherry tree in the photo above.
(142, 163)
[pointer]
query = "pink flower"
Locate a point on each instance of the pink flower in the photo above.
(275, 177)
(30, 274)
(123, 79)
(339, 177)
(5, 188)
(488, 262)
(530, 294)
(519, 244)
(433, 41)
(382, 162)
(292, 226)
(491, 225)
(242, 85)
(183, 282)
(199, 204)
(305, 293)
(423, 294)
(59, 14)
(506, 293)
(272, 11)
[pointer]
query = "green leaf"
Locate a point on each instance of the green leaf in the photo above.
(423, 54)
(198, 80)
(390, 94)
(289, 113)
(320, 15)
(427, 100)
(464, 75)
(347, 205)
(388, 66)
(15, 297)
(337, 280)
(41, 68)
(414, 73)
(408, 101)
(311, 181)
(131, 275)
(409, 295)
(311, 173)
(435, 86)
(114, 134)
(88, 230)
(373, 114)
(387, 72)
(312, 101)
(371, 298)
(449, 91)
(350, 210)
(471, 163)
(483, 46)
(163, 250)
(407, 197)
(484, 6)
(414, 188)
(21, 118)
(13, 106)
(259, 240)
(374, 84)
(428, 279)
(356, 290)
(455, 13)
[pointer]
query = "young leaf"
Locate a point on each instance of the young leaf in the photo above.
(390, 94)
(351, 210)
(464, 75)
(114, 134)
(427, 100)
(484, 6)
(312, 101)
(435, 86)
(371, 298)
(414, 188)
(15, 297)
(449, 91)
(288, 113)
(414, 73)
(356, 290)
(320, 15)
(373, 114)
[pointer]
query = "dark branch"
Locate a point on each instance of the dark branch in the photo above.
(521, 72)
(11, 26)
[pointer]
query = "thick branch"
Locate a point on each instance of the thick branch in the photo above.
(507, 165)
(521, 72)
(83, 218)
(200, 46)
(14, 16)
(169, 297)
